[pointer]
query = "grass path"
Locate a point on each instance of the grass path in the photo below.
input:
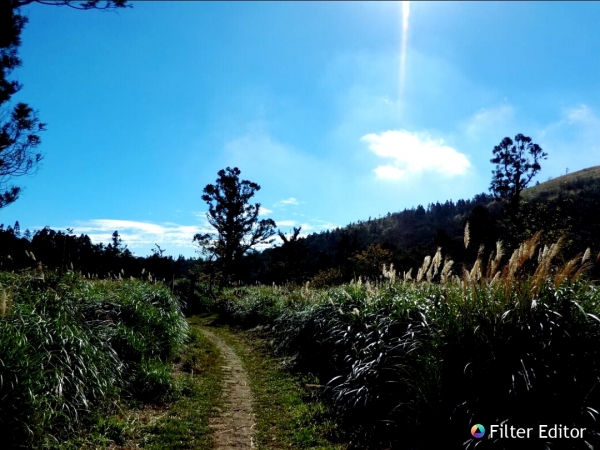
(234, 426)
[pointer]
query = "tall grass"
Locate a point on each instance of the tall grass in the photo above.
(68, 347)
(509, 340)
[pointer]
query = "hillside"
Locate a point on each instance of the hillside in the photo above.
(564, 205)
(574, 182)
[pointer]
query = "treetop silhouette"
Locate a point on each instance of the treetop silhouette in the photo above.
(516, 164)
(234, 219)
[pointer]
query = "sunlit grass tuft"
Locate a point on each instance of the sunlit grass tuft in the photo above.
(70, 347)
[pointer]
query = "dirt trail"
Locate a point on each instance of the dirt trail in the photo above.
(234, 427)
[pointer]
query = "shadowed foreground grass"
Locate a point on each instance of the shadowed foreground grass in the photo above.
(182, 423)
(72, 350)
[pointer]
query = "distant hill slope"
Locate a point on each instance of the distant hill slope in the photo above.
(575, 182)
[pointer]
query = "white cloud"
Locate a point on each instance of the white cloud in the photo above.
(286, 223)
(324, 226)
(315, 225)
(140, 237)
(264, 211)
(390, 172)
(285, 202)
(414, 153)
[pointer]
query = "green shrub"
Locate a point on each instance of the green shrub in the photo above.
(154, 381)
(250, 307)
(69, 346)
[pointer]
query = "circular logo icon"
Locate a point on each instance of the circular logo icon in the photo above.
(477, 431)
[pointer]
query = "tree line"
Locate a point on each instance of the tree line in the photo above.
(64, 251)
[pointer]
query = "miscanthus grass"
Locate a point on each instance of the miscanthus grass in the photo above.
(511, 339)
(70, 347)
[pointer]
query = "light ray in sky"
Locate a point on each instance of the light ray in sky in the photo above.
(405, 15)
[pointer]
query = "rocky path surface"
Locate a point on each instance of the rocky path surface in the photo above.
(234, 427)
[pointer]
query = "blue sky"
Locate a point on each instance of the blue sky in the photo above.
(144, 106)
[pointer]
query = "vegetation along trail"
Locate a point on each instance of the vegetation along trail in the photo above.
(234, 427)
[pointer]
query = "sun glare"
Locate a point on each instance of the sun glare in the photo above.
(405, 15)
